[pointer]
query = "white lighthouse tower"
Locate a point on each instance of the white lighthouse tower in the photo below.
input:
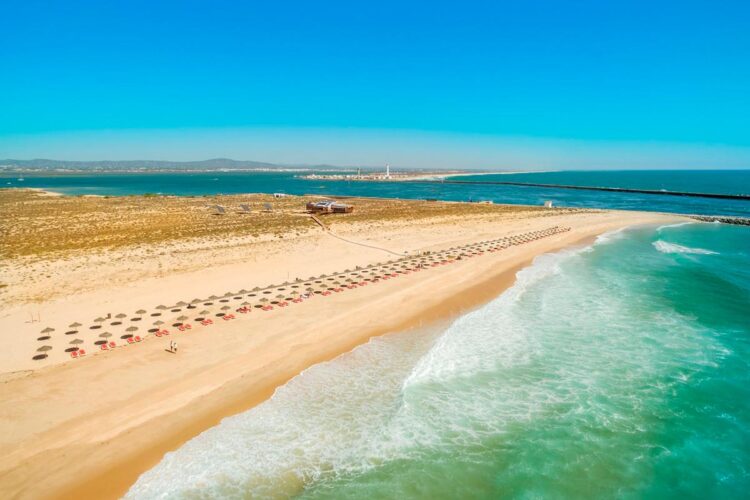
(387, 170)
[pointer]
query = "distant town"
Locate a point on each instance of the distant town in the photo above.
(387, 175)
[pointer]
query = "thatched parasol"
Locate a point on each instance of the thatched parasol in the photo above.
(182, 318)
(196, 301)
(122, 315)
(181, 303)
(131, 329)
(75, 325)
(225, 308)
(49, 329)
(105, 335)
(205, 311)
(76, 341)
(161, 307)
(141, 311)
(158, 322)
(45, 348)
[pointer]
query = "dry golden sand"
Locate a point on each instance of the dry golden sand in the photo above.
(88, 427)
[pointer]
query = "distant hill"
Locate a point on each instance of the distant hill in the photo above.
(130, 165)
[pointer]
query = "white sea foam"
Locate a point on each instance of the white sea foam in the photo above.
(679, 224)
(666, 247)
(521, 358)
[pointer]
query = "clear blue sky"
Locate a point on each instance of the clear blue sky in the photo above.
(634, 75)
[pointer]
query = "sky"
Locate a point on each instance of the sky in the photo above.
(496, 84)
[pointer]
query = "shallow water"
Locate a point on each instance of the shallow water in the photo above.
(619, 370)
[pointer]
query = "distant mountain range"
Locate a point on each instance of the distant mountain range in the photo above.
(130, 165)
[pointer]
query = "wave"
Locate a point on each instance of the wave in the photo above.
(666, 247)
(679, 224)
(417, 408)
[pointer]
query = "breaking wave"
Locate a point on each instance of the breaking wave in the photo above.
(666, 247)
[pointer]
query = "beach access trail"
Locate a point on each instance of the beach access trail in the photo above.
(87, 428)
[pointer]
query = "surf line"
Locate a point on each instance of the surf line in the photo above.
(743, 197)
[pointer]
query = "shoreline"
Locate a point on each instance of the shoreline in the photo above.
(118, 477)
(170, 400)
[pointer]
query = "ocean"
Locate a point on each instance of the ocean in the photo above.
(195, 184)
(620, 369)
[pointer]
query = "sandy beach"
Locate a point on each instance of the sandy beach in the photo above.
(88, 427)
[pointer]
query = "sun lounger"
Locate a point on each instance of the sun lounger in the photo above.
(112, 345)
(138, 338)
(130, 340)
(74, 354)
(81, 352)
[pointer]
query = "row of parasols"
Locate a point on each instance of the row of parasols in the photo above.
(351, 279)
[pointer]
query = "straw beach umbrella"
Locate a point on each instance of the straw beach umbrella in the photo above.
(45, 348)
(105, 335)
(49, 329)
(75, 325)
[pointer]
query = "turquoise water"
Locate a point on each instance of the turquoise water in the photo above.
(186, 184)
(617, 370)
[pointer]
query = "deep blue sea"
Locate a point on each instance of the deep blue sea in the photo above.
(725, 182)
